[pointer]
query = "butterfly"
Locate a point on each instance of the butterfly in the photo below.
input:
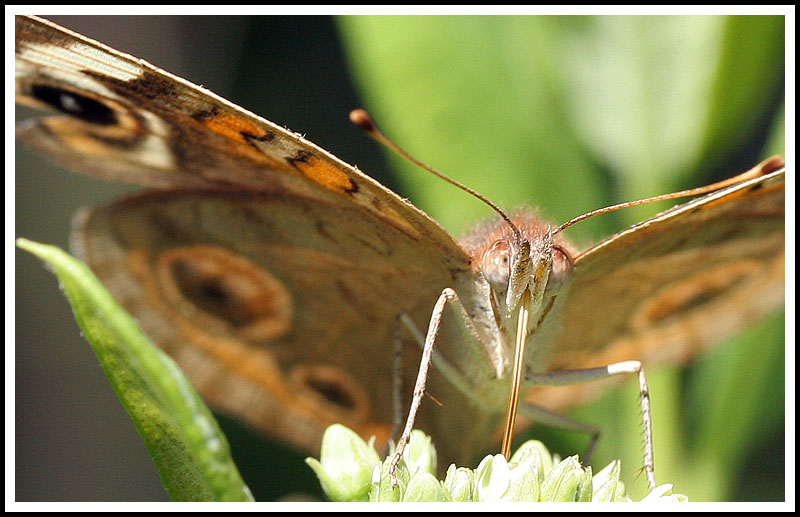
(317, 197)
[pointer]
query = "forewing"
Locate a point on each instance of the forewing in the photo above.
(127, 120)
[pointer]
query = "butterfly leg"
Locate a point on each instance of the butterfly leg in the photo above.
(397, 376)
(569, 377)
(447, 369)
(450, 372)
(549, 418)
(404, 320)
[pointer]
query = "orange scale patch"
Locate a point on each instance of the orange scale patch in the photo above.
(325, 174)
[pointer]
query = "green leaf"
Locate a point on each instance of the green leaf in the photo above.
(738, 413)
(749, 76)
(478, 98)
(189, 450)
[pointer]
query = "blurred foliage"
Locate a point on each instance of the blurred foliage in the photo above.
(568, 114)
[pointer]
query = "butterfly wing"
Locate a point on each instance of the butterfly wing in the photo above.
(271, 270)
(128, 120)
(288, 321)
(669, 287)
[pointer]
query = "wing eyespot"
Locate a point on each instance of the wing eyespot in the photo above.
(330, 388)
(74, 104)
(223, 290)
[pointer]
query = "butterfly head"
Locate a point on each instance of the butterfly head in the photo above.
(536, 259)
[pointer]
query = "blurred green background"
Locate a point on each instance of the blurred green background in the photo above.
(566, 114)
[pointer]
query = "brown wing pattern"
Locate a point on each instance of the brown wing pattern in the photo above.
(286, 322)
(669, 287)
(270, 269)
(128, 120)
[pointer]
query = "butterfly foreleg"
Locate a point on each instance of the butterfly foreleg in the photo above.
(448, 297)
(569, 377)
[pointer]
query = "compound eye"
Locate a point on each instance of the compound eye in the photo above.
(496, 265)
(562, 267)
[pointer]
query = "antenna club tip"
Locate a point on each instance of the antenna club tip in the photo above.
(362, 119)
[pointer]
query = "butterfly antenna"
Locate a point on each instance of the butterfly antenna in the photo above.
(362, 119)
(521, 270)
(768, 166)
